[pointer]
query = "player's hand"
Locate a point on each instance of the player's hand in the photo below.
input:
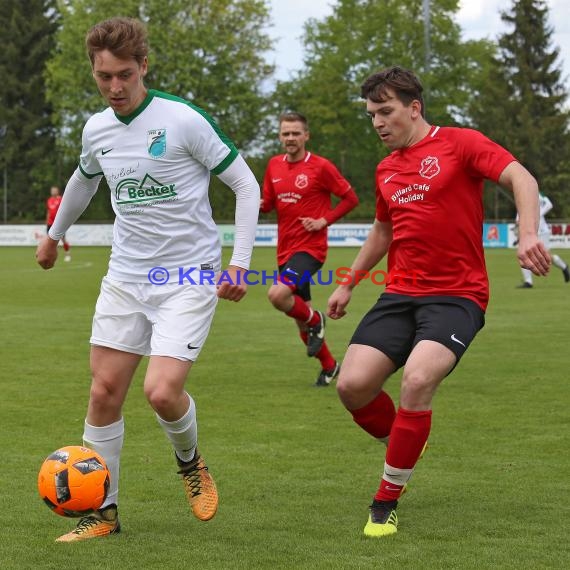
(338, 302)
(533, 255)
(312, 224)
(231, 285)
(46, 252)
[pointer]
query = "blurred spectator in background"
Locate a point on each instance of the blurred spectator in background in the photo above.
(545, 206)
(52, 206)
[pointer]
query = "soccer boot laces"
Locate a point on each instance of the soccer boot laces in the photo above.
(199, 486)
(98, 524)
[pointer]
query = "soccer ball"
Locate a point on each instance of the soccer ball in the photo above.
(73, 481)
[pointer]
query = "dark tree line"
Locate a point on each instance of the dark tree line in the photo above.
(215, 54)
(28, 149)
(522, 104)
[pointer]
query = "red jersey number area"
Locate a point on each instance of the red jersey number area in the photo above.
(299, 190)
(432, 194)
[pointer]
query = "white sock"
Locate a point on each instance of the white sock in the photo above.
(527, 275)
(183, 433)
(558, 261)
(107, 441)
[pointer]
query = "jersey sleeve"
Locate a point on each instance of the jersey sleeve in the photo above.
(333, 180)
(207, 143)
(481, 156)
(338, 185)
(88, 163)
(78, 193)
(241, 180)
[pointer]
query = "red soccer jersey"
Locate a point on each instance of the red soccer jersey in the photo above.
(302, 189)
(52, 205)
(431, 192)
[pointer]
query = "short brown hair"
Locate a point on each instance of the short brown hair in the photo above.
(403, 82)
(290, 116)
(125, 38)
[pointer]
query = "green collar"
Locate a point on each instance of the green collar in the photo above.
(127, 119)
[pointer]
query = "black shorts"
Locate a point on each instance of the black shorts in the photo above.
(397, 323)
(297, 270)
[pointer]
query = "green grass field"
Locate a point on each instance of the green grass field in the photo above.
(295, 474)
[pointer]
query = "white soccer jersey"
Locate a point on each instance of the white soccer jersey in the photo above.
(157, 163)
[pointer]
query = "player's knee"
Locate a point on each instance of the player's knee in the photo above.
(351, 388)
(344, 392)
(103, 395)
(160, 400)
(417, 389)
(278, 296)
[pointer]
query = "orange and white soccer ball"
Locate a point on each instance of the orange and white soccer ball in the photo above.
(73, 481)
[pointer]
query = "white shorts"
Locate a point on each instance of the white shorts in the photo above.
(166, 320)
(545, 239)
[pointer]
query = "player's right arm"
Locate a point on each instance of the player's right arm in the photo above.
(78, 194)
(531, 251)
(371, 253)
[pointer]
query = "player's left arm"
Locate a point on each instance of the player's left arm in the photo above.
(348, 201)
(340, 187)
(78, 194)
(239, 177)
(531, 251)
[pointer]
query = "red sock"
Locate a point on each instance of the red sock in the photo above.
(324, 355)
(409, 434)
(65, 246)
(326, 358)
(376, 417)
(315, 319)
(300, 310)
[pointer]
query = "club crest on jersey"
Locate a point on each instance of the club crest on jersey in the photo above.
(156, 143)
(429, 167)
(302, 181)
